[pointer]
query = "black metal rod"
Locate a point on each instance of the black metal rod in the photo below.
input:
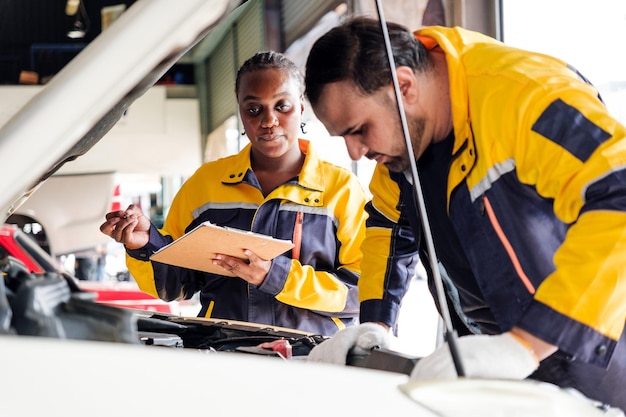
(450, 335)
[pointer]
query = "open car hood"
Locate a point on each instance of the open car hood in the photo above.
(88, 97)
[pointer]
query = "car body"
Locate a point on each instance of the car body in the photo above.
(69, 210)
(22, 246)
(16, 243)
(64, 353)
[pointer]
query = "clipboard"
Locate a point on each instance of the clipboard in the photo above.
(196, 249)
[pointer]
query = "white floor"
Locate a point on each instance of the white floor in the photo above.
(418, 321)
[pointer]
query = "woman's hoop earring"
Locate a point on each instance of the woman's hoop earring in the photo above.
(243, 133)
(302, 127)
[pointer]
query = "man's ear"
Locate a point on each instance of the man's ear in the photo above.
(407, 82)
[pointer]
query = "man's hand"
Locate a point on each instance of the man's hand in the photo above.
(362, 338)
(504, 356)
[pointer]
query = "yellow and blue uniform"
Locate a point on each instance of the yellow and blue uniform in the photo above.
(531, 216)
(316, 291)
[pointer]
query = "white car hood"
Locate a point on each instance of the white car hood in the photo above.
(83, 101)
(131, 380)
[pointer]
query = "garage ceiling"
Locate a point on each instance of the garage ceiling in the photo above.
(34, 34)
(34, 39)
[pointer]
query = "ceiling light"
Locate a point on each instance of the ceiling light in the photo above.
(77, 31)
(80, 27)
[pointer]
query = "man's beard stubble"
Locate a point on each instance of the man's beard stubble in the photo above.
(416, 133)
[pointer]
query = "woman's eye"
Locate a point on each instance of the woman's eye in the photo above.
(283, 107)
(253, 111)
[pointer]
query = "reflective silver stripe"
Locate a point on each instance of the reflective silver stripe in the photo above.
(493, 174)
(318, 211)
(223, 206)
(583, 194)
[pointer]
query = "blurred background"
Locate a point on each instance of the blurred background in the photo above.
(190, 115)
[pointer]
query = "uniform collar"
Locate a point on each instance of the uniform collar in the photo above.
(450, 40)
(311, 176)
(239, 166)
(455, 42)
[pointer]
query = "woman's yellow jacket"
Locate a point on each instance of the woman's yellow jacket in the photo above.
(316, 291)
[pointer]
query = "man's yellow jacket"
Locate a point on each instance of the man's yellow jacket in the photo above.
(535, 194)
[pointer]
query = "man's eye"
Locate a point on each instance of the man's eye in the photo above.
(283, 107)
(356, 132)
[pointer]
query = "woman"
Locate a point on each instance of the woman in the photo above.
(278, 186)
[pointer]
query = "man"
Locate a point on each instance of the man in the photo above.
(523, 175)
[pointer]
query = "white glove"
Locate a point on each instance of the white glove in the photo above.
(362, 337)
(500, 357)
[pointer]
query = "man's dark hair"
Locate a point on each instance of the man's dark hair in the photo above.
(269, 60)
(356, 50)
